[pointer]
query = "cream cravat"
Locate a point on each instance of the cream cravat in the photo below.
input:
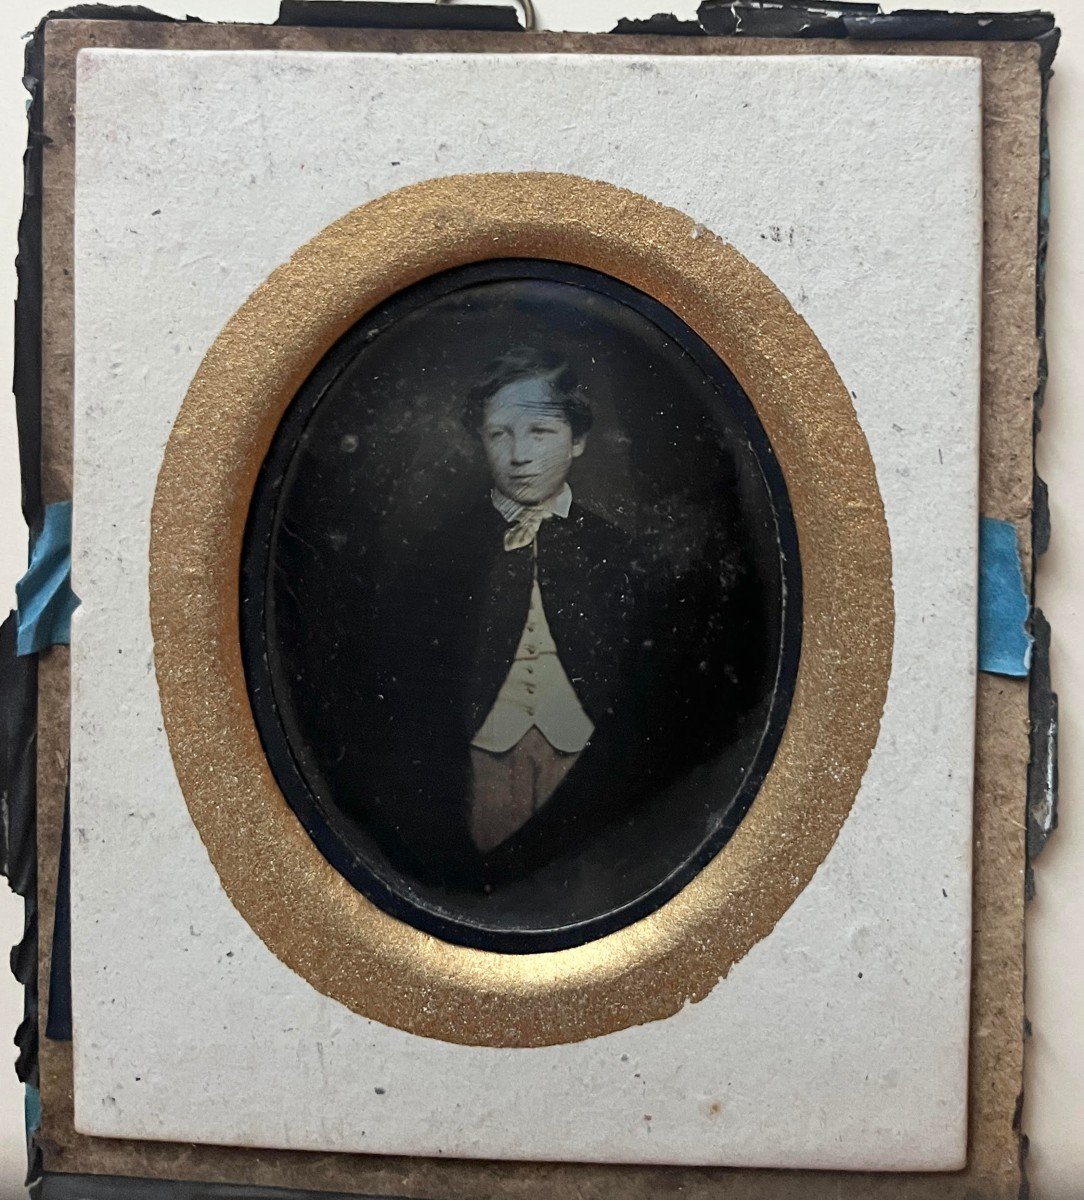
(525, 530)
(524, 521)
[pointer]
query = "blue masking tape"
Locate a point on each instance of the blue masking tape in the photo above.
(45, 597)
(1004, 640)
(31, 1109)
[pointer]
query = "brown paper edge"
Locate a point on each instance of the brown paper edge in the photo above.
(1012, 100)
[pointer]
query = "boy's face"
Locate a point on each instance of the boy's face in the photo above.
(528, 441)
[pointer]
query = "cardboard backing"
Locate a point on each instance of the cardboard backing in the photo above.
(1014, 88)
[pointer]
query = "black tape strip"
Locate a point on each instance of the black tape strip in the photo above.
(110, 1187)
(18, 751)
(373, 14)
(23, 960)
(748, 18)
(661, 23)
(26, 376)
(112, 12)
(1042, 799)
(1040, 516)
(1042, 812)
(796, 18)
(18, 826)
(58, 1021)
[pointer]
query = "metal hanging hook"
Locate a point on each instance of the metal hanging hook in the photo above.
(530, 18)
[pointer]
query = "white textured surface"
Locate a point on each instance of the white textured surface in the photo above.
(841, 1039)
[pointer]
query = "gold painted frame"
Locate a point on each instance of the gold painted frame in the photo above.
(302, 909)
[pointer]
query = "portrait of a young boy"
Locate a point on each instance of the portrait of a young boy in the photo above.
(534, 655)
(521, 624)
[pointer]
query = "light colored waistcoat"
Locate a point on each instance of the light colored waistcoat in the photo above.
(536, 692)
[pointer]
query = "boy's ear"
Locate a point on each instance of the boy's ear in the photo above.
(578, 445)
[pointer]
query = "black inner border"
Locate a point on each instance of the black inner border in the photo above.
(388, 889)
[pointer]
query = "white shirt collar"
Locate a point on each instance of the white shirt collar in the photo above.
(557, 505)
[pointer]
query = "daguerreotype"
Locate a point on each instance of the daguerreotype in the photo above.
(527, 605)
(521, 604)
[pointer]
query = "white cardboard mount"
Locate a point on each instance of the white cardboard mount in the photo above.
(855, 183)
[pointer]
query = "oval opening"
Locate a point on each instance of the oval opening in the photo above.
(520, 605)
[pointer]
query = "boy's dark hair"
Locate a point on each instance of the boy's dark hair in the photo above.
(525, 363)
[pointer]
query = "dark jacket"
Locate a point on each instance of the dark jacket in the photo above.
(465, 605)
(631, 635)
